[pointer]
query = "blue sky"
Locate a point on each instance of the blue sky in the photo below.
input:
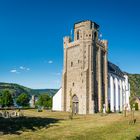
(31, 36)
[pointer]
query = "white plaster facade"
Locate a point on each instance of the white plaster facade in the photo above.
(57, 101)
(118, 92)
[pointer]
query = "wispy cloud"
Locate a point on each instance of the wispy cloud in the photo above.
(14, 71)
(58, 73)
(24, 68)
(20, 69)
(27, 69)
(50, 61)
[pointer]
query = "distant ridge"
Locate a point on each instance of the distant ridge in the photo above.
(17, 89)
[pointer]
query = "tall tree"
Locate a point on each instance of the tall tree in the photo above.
(23, 99)
(6, 99)
(45, 100)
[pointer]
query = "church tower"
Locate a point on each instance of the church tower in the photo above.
(85, 70)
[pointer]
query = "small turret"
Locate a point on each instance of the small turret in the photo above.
(66, 40)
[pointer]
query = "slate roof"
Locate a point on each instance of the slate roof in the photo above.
(114, 69)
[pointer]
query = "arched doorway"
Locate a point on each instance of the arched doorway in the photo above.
(75, 104)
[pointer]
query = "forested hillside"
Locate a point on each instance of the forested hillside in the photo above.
(134, 80)
(16, 90)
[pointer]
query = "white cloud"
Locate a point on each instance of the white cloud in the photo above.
(19, 70)
(22, 68)
(14, 71)
(27, 69)
(50, 61)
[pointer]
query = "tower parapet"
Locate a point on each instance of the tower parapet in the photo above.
(66, 40)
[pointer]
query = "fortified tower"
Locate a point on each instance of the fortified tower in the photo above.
(85, 70)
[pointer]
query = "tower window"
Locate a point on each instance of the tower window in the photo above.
(78, 61)
(71, 64)
(73, 84)
(78, 35)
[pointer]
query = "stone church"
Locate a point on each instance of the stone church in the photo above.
(86, 79)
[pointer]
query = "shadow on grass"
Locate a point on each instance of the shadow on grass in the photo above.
(137, 138)
(17, 125)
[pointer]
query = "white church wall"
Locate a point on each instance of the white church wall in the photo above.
(57, 101)
(118, 92)
(121, 95)
(116, 95)
(111, 93)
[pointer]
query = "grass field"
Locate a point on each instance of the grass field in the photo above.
(57, 125)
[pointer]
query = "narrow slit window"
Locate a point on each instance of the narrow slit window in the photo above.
(71, 64)
(78, 35)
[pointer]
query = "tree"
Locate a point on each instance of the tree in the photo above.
(0, 98)
(45, 100)
(23, 99)
(6, 99)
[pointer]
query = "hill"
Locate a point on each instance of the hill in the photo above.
(50, 92)
(16, 89)
(134, 80)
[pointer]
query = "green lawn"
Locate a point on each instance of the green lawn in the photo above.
(56, 125)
